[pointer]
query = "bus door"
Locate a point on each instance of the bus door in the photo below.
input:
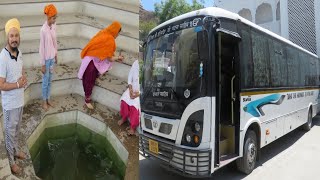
(228, 103)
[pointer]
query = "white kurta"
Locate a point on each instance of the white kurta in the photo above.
(133, 79)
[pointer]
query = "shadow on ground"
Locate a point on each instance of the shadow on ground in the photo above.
(152, 170)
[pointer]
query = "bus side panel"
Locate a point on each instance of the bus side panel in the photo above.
(279, 112)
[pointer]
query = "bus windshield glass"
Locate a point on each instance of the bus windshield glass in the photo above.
(173, 72)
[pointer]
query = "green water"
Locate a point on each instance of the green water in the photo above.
(73, 152)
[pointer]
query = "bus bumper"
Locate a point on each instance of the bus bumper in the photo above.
(186, 162)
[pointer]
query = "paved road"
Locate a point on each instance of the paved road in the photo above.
(295, 156)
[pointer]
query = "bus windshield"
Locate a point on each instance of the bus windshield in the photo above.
(173, 71)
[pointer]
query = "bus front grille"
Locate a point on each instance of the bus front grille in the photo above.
(186, 162)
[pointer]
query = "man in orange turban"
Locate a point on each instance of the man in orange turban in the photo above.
(98, 57)
(48, 51)
(50, 10)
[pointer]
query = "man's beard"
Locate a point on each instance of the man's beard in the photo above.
(14, 49)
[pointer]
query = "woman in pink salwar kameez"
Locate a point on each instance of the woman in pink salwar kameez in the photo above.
(130, 101)
(98, 57)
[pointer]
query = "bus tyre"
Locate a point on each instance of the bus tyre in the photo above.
(308, 125)
(247, 163)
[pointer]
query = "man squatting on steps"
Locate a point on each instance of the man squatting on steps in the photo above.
(48, 51)
(98, 57)
(12, 83)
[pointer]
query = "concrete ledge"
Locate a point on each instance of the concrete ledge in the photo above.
(72, 56)
(107, 91)
(70, 86)
(78, 117)
(129, 8)
(102, 129)
(76, 30)
(71, 109)
(69, 50)
(4, 162)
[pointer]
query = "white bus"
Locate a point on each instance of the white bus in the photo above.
(216, 88)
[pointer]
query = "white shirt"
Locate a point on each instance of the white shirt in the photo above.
(11, 70)
(133, 79)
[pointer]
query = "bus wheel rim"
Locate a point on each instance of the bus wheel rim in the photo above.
(251, 153)
(309, 119)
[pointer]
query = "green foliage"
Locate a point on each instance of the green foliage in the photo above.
(140, 70)
(169, 9)
(145, 28)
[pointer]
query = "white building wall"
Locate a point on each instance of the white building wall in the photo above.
(284, 19)
(236, 6)
(281, 26)
(317, 19)
(302, 30)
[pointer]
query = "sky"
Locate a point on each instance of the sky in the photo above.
(149, 4)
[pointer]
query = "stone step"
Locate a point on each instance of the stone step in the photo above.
(33, 115)
(77, 31)
(124, 11)
(107, 91)
(69, 49)
(119, 70)
(35, 22)
(130, 6)
(70, 43)
(78, 21)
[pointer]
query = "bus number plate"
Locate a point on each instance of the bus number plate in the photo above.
(153, 146)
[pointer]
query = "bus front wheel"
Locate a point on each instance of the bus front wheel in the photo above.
(247, 163)
(308, 125)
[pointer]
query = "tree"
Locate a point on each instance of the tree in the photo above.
(145, 27)
(169, 9)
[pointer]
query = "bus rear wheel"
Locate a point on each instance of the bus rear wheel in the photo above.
(308, 125)
(247, 163)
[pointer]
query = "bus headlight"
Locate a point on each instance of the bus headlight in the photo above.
(192, 133)
(196, 139)
(188, 138)
(197, 126)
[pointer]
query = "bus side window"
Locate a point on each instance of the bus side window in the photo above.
(260, 53)
(293, 67)
(246, 60)
(304, 69)
(278, 64)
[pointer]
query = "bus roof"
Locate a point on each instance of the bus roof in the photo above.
(218, 12)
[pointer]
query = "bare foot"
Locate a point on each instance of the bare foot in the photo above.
(15, 169)
(21, 155)
(50, 103)
(89, 105)
(120, 122)
(45, 106)
(131, 132)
